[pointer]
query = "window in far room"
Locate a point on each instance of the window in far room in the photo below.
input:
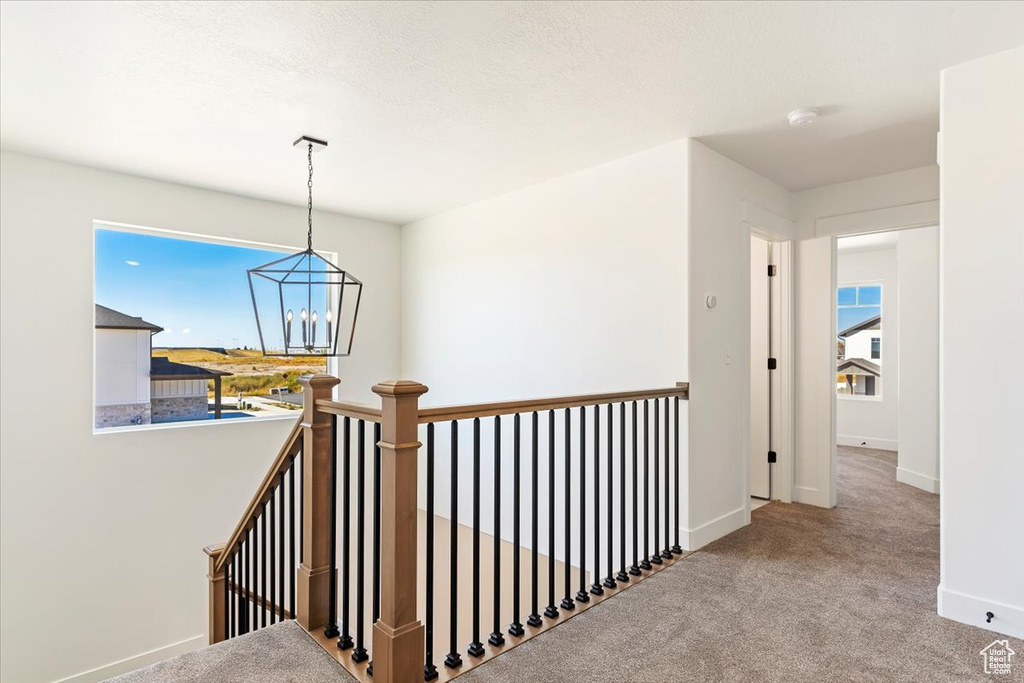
(859, 340)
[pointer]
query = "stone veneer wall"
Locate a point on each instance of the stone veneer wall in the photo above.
(123, 415)
(179, 408)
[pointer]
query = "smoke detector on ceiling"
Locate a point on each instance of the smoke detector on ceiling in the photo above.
(802, 117)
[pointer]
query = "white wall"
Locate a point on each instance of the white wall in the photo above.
(917, 255)
(722, 196)
(896, 200)
(179, 388)
(122, 366)
(864, 420)
(981, 360)
(575, 285)
(102, 534)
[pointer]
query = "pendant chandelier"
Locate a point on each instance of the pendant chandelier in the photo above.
(304, 304)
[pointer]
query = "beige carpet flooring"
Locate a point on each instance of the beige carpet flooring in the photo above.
(802, 594)
(283, 653)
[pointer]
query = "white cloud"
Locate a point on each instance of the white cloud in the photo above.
(132, 263)
(186, 330)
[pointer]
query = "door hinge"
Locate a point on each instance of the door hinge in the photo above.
(772, 363)
(772, 457)
(772, 270)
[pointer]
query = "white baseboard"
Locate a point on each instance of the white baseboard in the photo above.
(968, 609)
(868, 442)
(137, 662)
(809, 496)
(921, 481)
(693, 539)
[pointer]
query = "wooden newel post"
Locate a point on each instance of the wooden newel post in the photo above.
(398, 646)
(314, 573)
(218, 605)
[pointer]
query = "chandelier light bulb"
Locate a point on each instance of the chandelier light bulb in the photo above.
(329, 317)
(315, 316)
(303, 314)
(289, 316)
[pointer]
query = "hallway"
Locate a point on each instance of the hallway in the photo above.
(802, 594)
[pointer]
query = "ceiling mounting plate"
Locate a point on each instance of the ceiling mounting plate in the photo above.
(306, 140)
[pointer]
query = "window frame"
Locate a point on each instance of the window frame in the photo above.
(99, 224)
(881, 306)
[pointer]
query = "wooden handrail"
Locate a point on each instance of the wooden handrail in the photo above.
(291, 446)
(448, 413)
(259, 601)
(358, 411)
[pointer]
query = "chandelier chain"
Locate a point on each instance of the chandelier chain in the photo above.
(309, 205)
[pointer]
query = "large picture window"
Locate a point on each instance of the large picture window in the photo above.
(175, 335)
(859, 340)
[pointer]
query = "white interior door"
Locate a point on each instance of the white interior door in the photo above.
(760, 388)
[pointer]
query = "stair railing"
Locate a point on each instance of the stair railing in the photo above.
(250, 585)
(609, 513)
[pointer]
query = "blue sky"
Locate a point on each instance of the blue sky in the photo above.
(197, 291)
(857, 304)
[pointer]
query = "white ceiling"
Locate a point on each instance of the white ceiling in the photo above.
(430, 106)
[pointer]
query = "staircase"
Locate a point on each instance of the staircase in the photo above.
(557, 504)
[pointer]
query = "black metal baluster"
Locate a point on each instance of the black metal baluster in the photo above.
(359, 652)
(232, 605)
(496, 638)
(534, 618)
(656, 555)
(375, 569)
(429, 670)
(667, 552)
(595, 588)
(567, 603)
(551, 611)
(273, 565)
(227, 601)
(476, 648)
(645, 563)
(254, 575)
(581, 594)
(677, 549)
(292, 566)
(281, 558)
(515, 628)
(454, 660)
(250, 603)
(622, 575)
(345, 641)
(609, 580)
(243, 604)
(331, 631)
(263, 566)
(635, 567)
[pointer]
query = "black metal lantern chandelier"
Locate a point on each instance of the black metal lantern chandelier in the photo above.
(304, 304)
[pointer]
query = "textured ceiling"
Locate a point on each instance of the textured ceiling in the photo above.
(429, 106)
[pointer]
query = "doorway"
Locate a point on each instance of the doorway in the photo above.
(886, 373)
(770, 369)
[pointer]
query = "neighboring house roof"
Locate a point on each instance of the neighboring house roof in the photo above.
(109, 319)
(861, 366)
(162, 369)
(869, 324)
